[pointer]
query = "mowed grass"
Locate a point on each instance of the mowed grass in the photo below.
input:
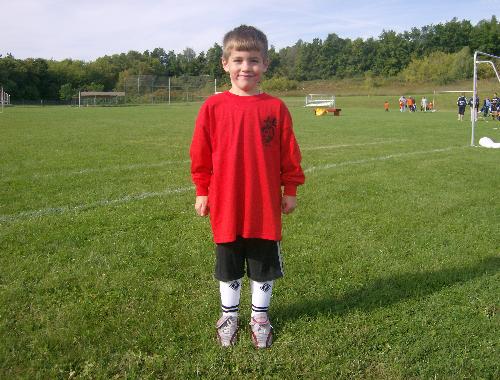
(391, 259)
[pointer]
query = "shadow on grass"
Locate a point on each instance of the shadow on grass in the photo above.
(385, 291)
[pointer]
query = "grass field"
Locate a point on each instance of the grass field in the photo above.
(392, 257)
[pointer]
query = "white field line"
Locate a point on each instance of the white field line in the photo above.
(166, 163)
(101, 203)
(137, 197)
(373, 159)
(111, 168)
(350, 145)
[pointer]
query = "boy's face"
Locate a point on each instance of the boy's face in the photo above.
(245, 70)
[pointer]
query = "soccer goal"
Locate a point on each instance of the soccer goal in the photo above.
(99, 98)
(4, 99)
(323, 104)
(487, 59)
(320, 100)
(441, 97)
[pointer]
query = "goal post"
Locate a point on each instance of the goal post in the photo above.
(474, 84)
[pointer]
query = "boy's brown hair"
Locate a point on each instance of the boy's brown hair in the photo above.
(244, 38)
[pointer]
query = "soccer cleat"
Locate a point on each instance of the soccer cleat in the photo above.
(227, 330)
(262, 332)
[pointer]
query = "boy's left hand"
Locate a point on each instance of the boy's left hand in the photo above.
(288, 204)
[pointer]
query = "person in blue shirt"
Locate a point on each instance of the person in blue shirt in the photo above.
(495, 101)
(486, 107)
(461, 103)
(475, 110)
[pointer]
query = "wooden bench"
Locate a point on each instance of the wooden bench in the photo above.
(335, 111)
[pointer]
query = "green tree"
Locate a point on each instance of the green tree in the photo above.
(213, 62)
(66, 92)
(273, 62)
(289, 61)
(485, 36)
(333, 57)
(392, 53)
(309, 60)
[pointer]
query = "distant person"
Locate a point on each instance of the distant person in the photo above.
(386, 106)
(486, 107)
(423, 104)
(402, 104)
(409, 104)
(245, 164)
(475, 109)
(461, 103)
(494, 106)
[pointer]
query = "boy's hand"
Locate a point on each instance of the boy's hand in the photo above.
(288, 204)
(201, 205)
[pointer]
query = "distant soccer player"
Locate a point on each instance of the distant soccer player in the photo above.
(475, 109)
(461, 103)
(495, 102)
(245, 163)
(402, 103)
(386, 106)
(423, 104)
(409, 103)
(486, 107)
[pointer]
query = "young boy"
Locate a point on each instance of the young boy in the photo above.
(243, 152)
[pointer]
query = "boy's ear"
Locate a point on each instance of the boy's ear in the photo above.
(225, 64)
(266, 64)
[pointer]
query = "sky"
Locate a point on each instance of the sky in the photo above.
(88, 29)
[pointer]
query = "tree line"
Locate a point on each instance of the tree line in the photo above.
(440, 53)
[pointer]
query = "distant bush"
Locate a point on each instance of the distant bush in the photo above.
(280, 84)
(439, 67)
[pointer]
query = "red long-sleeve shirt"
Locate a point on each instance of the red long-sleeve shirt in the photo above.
(243, 151)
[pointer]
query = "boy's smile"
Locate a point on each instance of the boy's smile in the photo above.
(245, 70)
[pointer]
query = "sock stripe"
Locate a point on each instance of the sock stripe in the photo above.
(230, 309)
(259, 309)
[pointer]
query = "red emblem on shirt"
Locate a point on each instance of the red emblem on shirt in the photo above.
(267, 131)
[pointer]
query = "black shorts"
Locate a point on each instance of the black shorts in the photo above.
(262, 258)
(461, 110)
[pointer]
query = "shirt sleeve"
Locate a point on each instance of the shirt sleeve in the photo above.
(291, 171)
(201, 152)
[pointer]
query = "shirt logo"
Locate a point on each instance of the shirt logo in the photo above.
(268, 129)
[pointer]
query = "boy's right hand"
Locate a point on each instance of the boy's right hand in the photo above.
(201, 205)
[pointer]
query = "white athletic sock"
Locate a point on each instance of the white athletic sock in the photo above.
(230, 297)
(261, 296)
